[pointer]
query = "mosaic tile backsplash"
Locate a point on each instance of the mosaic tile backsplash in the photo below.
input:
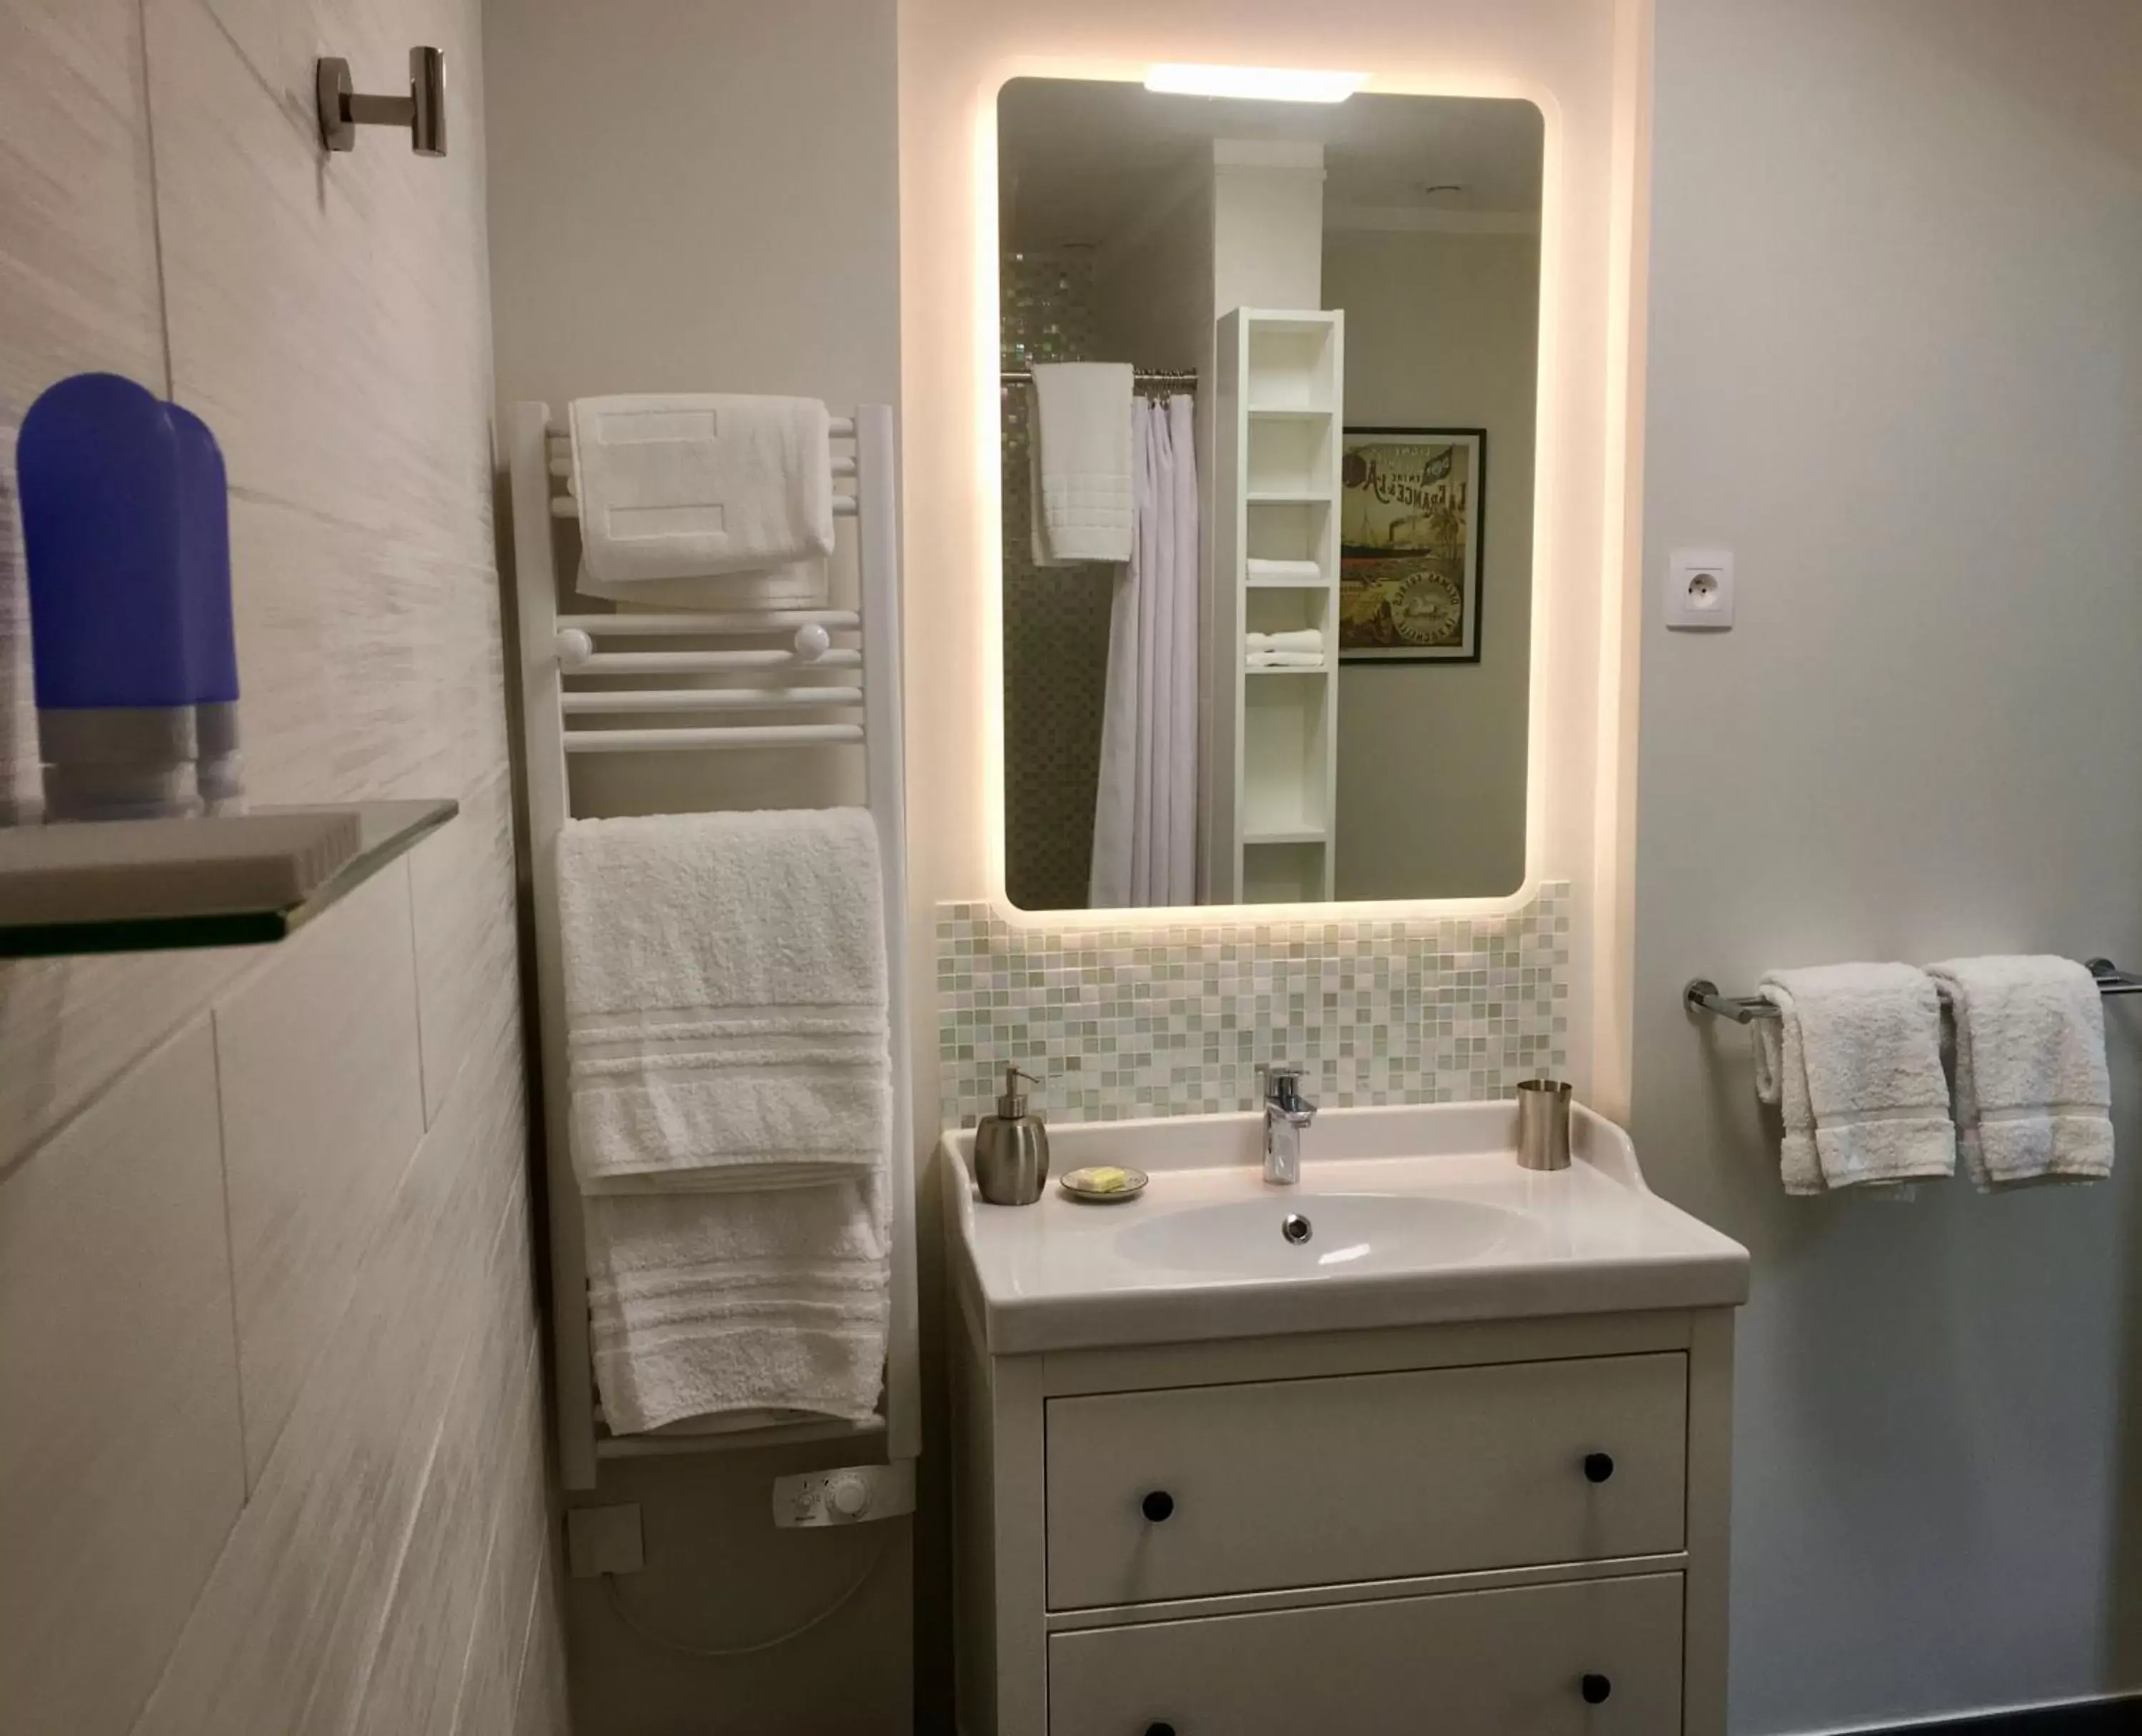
(1121, 1022)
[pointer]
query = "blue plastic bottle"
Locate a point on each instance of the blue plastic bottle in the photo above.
(126, 526)
(204, 587)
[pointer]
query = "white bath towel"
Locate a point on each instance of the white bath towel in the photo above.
(2033, 1099)
(1284, 572)
(704, 501)
(1257, 659)
(1080, 452)
(1294, 638)
(725, 1000)
(706, 1305)
(1853, 1063)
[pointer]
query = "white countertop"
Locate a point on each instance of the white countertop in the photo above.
(1419, 1215)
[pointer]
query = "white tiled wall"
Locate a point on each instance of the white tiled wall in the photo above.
(271, 1453)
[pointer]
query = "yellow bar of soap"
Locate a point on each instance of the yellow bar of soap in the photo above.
(1106, 1178)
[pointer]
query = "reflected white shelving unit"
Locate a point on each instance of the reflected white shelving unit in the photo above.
(1279, 411)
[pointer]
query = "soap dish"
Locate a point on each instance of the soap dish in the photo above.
(1104, 1185)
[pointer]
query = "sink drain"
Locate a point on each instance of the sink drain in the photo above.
(1295, 1228)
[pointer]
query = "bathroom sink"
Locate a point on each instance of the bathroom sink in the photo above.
(1310, 1232)
(1408, 1216)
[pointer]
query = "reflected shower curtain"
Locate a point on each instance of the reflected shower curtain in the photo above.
(1145, 809)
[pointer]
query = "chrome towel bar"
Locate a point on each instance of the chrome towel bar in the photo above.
(1701, 994)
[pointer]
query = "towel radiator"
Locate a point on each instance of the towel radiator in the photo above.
(797, 662)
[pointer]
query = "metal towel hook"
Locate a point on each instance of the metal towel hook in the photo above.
(423, 111)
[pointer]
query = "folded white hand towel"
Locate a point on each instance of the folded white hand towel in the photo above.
(1854, 1063)
(702, 1305)
(1284, 572)
(1294, 638)
(725, 1000)
(678, 492)
(1080, 454)
(1285, 659)
(2033, 1097)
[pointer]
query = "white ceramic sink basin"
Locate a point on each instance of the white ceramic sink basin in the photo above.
(1415, 1216)
(1321, 1233)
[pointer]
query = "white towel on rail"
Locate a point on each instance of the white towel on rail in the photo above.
(2033, 1097)
(703, 500)
(725, 1000)
(704, 1305)
(1079, 442)
(1853, 1063)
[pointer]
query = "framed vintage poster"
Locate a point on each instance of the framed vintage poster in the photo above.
(1409, 506)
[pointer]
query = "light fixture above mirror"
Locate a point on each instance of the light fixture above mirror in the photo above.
(1255, 84)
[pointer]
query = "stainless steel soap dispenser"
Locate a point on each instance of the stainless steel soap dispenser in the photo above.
(1011, 1147)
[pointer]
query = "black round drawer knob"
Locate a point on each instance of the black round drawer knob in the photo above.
(1160, 1729)
(1594, 1688)
(1156, 1507)
(1598, 1466)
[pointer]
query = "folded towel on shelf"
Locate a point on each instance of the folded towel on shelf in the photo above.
(703, 500)
(725, 1000)
(1853, 1063)
(2033, 1097)
(1080, 451)
(704, 1305)
(1284, 659)
(1294, 638)
(1284, 572)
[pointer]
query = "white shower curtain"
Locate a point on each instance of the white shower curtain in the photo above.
(1145, 811)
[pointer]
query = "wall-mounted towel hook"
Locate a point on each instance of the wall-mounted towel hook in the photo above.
(423, 111)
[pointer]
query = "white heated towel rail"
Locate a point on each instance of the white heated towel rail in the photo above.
(794, 666)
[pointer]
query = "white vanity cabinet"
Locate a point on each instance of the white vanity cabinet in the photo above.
(1490, 1529)
(1473, 1526)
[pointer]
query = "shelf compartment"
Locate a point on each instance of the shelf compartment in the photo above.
(1282, 871)
(1286, 759)
(1287, 530)
(386, 830)
(1287, 608)
(1291, 362)
(1289, 458)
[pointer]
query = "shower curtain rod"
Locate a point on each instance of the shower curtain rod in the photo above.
(1139, 377)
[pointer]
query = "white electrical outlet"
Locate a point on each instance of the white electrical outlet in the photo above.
(603, 1540)
(1699, 589)
(849, 1496)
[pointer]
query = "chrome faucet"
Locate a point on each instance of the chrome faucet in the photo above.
(1287, 1113)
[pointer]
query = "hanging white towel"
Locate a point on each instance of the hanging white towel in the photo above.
(2033, 1096)
(1080, 452)
(709, 1305)
(1852, 1062)
(703, 500)
(725, 1000)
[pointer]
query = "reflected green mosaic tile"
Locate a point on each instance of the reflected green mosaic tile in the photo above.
(1121, 1022)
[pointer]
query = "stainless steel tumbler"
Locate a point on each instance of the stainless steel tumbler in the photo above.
(1543, 1125)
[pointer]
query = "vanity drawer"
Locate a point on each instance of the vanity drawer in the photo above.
(1469, 1664)
(1199, 1490)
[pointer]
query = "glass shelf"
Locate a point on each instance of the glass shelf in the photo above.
(386, 830)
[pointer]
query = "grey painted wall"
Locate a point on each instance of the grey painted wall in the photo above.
(1896, 364)
(1443, 330)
